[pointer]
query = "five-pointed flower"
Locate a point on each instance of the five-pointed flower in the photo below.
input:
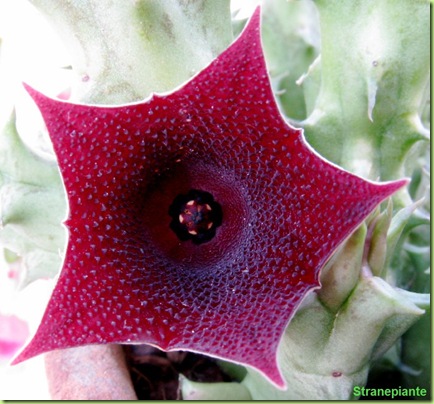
(198, 220)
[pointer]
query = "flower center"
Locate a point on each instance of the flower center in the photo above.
(195, 216)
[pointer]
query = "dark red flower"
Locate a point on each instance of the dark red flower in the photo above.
(259, 213)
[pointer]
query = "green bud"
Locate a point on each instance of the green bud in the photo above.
(377, 249)
(340, 275)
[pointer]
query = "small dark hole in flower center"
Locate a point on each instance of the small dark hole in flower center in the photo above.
(195, 216)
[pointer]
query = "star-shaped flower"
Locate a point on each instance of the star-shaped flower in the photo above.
(198, 220)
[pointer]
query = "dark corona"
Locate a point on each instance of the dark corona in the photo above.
(195, 216)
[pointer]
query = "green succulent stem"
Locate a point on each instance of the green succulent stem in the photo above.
(32, 206)
(122, 51)
(366, 117)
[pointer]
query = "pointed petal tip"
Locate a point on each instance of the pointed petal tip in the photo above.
(276, 380)
(36, 95)
(20, 357)
(393, 186)
(28, 351)
(273, 374)
(257, 12)
(255, 19)
(381, 191)
(280, 384)
(253, 24)
(30, 90)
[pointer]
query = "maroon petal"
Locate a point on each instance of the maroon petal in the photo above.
(128, 277)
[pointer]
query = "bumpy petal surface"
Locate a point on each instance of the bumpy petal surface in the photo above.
(128, 278)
